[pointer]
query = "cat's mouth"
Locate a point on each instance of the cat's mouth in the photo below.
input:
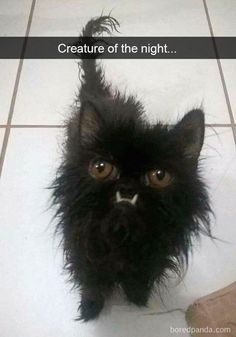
(132, 201)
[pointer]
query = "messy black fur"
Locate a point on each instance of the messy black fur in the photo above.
(109, 244)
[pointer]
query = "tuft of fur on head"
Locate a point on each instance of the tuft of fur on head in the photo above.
(108, 243)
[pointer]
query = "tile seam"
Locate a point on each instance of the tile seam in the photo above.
(51, 126)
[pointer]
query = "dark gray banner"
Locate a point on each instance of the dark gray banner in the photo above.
(118, 47)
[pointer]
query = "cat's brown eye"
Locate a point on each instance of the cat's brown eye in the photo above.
(102, 170)
(158, 178)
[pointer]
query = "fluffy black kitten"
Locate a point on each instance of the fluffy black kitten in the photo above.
(129, 194)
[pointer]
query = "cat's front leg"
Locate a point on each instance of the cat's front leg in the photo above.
(95, 288)
(91, 303)
(137, 291)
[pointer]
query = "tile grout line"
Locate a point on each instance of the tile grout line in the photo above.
(34, 126)
(17, 80)
(231, 116)
(61, 126)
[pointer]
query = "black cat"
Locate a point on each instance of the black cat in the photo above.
(129, 195)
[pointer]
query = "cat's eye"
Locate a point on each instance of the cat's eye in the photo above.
(103, 170)
(158, 178)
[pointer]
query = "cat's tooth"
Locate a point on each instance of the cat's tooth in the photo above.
(134, 199)
(118, 196)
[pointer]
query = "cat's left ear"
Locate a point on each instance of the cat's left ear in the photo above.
(89, 123)
(190, 133)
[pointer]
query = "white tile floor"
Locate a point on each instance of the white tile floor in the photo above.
(35, 299)
(8, 70)
(14, 17)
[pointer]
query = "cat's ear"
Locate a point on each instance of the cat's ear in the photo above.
(89, 122)
(190, 133)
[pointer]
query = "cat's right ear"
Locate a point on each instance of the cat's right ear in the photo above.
(89, 123)
(189, 133)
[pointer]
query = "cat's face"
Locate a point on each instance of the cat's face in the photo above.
(137, 181)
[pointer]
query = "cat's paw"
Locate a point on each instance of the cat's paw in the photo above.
(90, 308)
(137, 294)
(138, 299)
